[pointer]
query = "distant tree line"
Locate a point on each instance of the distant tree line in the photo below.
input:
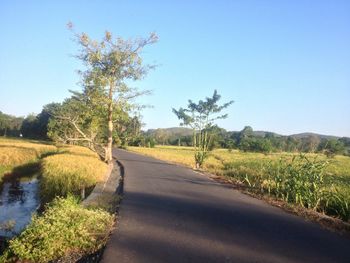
(34, 126)
(128, 131)
(10, 125)
(249, 141)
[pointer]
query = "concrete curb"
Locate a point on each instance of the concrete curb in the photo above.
(110, 185)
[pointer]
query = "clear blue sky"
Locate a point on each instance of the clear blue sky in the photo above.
(285, 63)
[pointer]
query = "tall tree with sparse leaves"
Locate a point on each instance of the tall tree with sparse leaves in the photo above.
(201, 117)
(110, 63)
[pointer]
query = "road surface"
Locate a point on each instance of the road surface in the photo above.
(173, 214)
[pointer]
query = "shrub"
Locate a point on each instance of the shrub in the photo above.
(64, 227)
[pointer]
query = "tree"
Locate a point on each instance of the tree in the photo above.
(247, 132)
(110, 63)
(29, 127)
(77, 120)
(332, 147)
(161, 136)
(310, 143)
(10, 125)
(128, 131)
(201, 117)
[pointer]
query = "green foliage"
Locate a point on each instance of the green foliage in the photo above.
(64, 227)
(199, 157)
(10, 125)
(332, 147)
(255, 145)
(336, 203)
(298, 181)
(200, 117)
(36, 126)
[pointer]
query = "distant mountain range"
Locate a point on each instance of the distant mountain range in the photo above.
(182, 131)
(298, 135)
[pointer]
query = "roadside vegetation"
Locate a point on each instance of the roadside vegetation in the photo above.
(312, 181)
(64, 230)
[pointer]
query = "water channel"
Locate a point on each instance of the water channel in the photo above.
(19, 199)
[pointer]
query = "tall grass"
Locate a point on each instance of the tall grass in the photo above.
(311, 180)
(73, 169)
(64, 169)
(17, 152)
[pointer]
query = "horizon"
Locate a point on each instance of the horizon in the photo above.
(286, 65)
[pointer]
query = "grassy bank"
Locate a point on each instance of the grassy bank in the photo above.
(66, 229)
(64, 169)
(277, 174)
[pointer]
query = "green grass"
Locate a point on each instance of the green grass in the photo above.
(256, 169)
(65, 227)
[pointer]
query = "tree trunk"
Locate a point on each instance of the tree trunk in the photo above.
(108, 156)
(82, 193)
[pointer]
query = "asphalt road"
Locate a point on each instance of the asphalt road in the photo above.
(172, 214)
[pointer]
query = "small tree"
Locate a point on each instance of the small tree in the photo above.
(201, 117)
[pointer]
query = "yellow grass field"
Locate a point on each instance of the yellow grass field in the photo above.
(71, 170)
(16, 152)
(64, 169)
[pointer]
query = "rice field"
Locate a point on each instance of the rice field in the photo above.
(64, 169)
(16, 152)
(74, 168)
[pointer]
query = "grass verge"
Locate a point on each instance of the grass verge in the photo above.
(65, 228)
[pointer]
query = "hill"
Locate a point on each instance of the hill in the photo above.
(182, 131)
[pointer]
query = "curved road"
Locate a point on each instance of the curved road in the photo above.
(172, 214)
